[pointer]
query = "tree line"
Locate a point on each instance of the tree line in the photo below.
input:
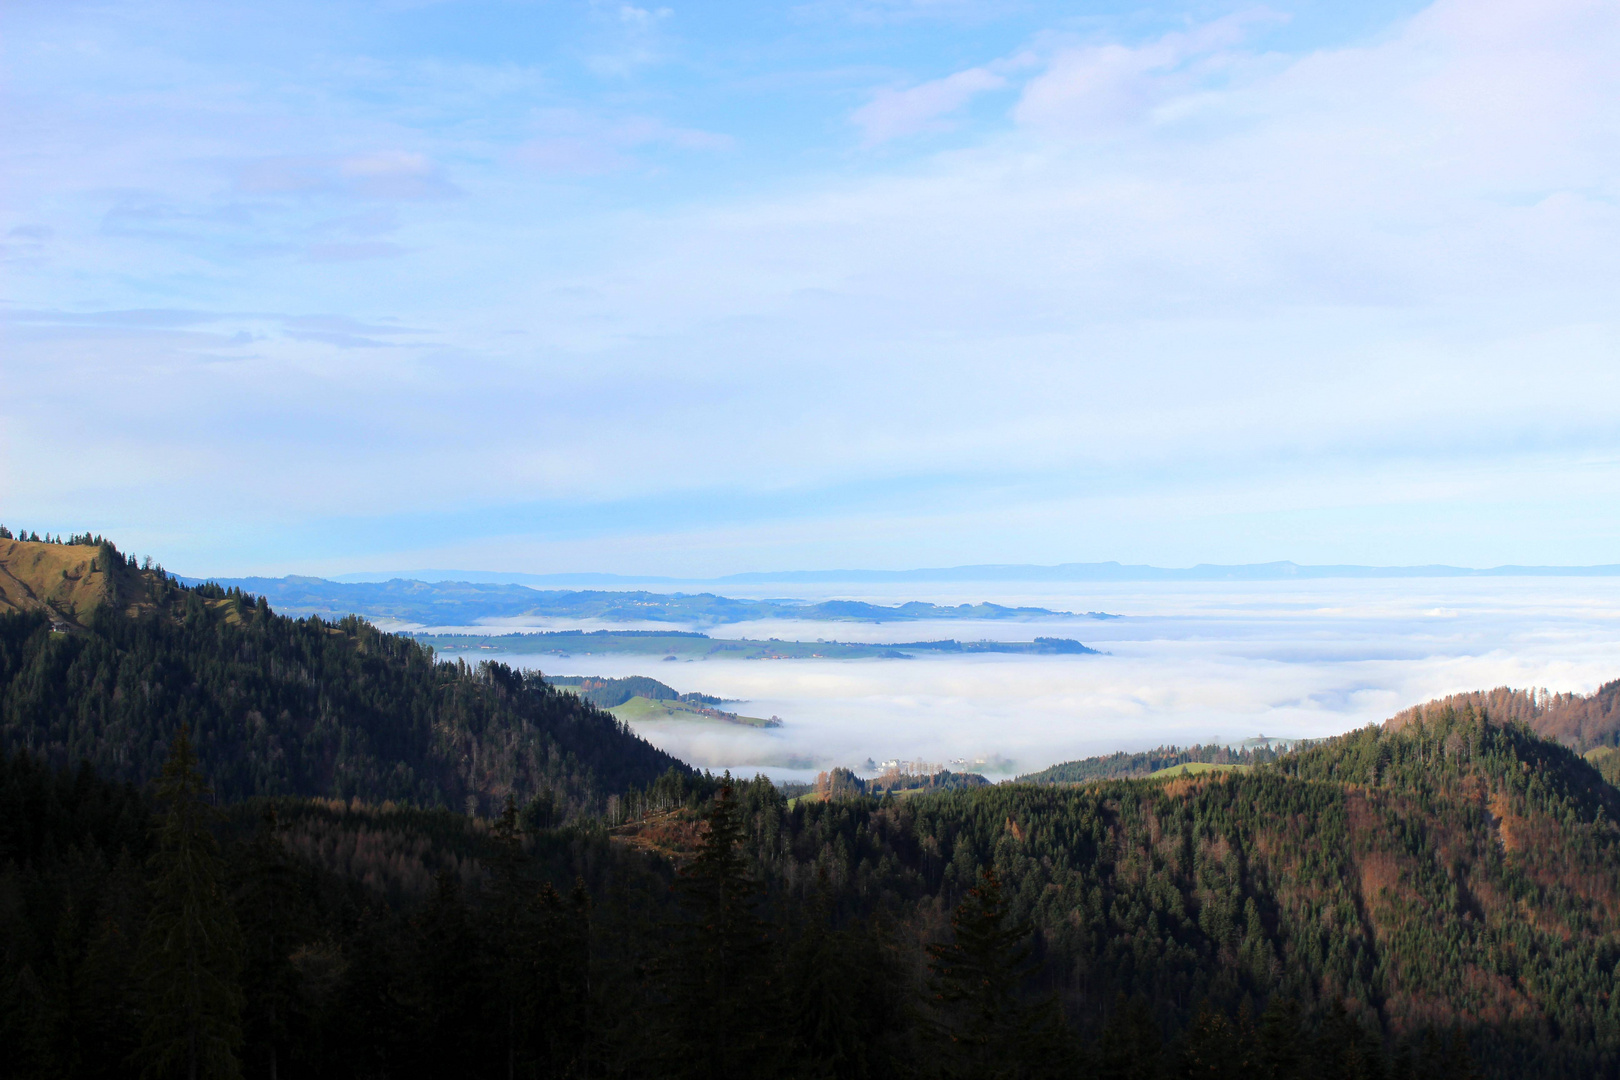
(280, 706)
(157, 932)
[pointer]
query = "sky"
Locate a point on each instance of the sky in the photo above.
(694, 290)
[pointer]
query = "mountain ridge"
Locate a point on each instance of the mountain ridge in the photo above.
(1282, 570)
(463, 603)
(109, 666)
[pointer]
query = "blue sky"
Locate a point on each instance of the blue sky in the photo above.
(699, 290)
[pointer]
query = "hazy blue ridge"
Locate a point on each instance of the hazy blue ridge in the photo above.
(990, 572)
(1113, 571)
(460, 603)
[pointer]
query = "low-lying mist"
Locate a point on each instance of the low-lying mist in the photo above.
(1187, 663)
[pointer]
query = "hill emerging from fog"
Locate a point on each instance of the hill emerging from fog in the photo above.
(1587, 724)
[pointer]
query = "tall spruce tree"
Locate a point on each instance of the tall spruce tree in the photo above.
(1130, 1044)
(191, 950)
(1280, 1049)
(516, 933)
(718, 976)
(988, 1029)
(541, 957)
(270, 909)
(846, 996)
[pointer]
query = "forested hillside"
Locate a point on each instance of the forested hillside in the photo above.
(1441, 900)
(1122, 765)
(279, 706)
(498, 880)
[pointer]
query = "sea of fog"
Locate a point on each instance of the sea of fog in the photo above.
(1187, 662)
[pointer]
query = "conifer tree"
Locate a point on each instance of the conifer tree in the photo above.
(539, 949)
(1459, 1062)
(1130, 1044)
(457, 992)
(515, 943)
(1279, 1042)
(845, 993)
(191, 947)
(976, 983)
(1344, 1049)
(718, 974)
(1213, 1049)
(268, 905)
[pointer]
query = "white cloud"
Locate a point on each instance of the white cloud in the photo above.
(382, 174)
(1222, 661)
(635, 38)
(1323, 289)
(1108, 84)
(894, 113)
(582, 143)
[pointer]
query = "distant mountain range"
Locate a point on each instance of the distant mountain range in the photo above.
(463, 603)
(468, 597)
(994, 572)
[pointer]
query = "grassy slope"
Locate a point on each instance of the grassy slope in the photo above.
(66, 581)
(1193, 768)
(1163, 760)
(641, 709)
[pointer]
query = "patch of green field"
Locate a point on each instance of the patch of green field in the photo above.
(1194, 768)
(645, 709)
(1606, 759)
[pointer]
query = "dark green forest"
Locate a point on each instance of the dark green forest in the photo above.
(1437, 902)
(280, 706)
(233, 844)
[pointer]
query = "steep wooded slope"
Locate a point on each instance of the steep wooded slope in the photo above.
(1420, 895)
(279, 706)
(1456, 872)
